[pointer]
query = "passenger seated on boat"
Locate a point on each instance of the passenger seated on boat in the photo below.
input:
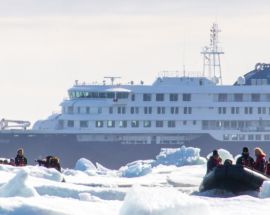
(213, 161)
(260, 160)
(50, 162)
(267, 168)
(245, 160)
(20, 159)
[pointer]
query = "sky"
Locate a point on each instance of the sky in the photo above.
(46, 45)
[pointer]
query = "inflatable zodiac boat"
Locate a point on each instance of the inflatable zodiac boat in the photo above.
(233, 178)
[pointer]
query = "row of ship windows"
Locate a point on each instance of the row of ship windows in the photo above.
(124, 95)
(159, 97)
(124, 123)
(162, 110)
(234, 124)
(240, 97)
(247, 110)
(243, 137)
(123, 110)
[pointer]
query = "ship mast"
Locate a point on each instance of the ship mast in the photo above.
(211, 56)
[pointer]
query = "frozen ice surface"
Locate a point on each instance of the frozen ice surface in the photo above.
(167, 188)
(18, 186)
(160, 201)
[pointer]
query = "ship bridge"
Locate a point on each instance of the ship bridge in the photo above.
(259, 76)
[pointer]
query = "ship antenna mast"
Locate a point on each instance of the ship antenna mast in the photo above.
(211, 56)
(112, 78)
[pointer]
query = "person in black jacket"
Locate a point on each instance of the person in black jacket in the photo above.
(245, 160)
(213, 161)
(20, 159)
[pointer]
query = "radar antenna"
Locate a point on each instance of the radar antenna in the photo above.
(211, 56)
(112, 78)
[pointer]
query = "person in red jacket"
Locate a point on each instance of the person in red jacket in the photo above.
(259, 164)
(267, 168)
(213, 161)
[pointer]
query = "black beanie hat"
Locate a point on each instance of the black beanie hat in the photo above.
(215, 152)
(245, 149)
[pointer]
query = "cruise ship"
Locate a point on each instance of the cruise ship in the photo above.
(114, 123)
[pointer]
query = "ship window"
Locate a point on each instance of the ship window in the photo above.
(159, 124)
(160, 110)
(248, 110)
(110, 124)
(87, 110)
(147, 110)
(121, 110)
(267, 137)
(78, 109)
(187, 110)
(255, 97)
(226, 137)
(258, 137)
(70, 109)
(70, 123)
(110, 95)
(83, 124)
(122, 95)
(159, 97)
(174, 110)
(134, 124)
(173, 97)
(171, 124)
(184, 122)
(147, 124)
(242, 137)
(146, 97)
(111, 110)
(238, 97)
(133, 97)
(95, 95)
(102, 95)
(194, 122)
(234, 137)
(186, 97)
(122, 124)
(250, 137)
(222, 97)
(99, 124)
(234, 110)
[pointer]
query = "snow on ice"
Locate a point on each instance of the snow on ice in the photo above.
(167, 185)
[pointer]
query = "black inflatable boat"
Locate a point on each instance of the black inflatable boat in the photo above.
(233, 178)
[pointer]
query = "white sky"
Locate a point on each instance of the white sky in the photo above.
(46, 45)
